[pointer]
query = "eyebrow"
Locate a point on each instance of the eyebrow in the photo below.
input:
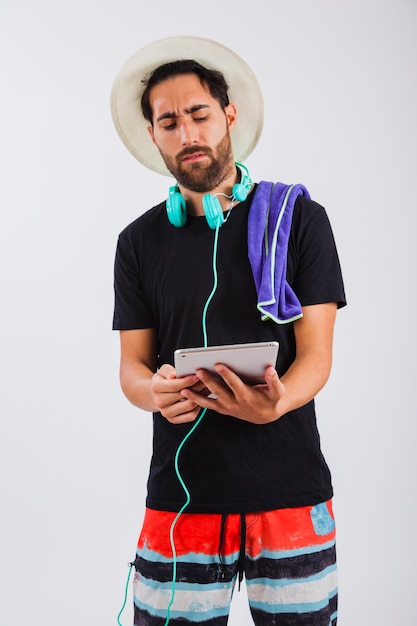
(192, 109)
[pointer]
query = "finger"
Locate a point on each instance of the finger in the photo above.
(182, 410)
(171, 384)
(215, 385)
(166, 371)
(203, 400)
(208, 397)
(231, 379)
(275, 386)
(184, 418)
(198, 387)
(165, 400)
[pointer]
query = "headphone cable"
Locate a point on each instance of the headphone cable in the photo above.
(181, 445)
(203, 412)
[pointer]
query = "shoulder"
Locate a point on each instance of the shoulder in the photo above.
(148, 220)
(310, 215)
(307, 207)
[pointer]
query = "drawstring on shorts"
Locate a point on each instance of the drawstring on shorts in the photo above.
(242, 547)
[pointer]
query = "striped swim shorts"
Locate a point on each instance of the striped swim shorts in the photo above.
(186, 570)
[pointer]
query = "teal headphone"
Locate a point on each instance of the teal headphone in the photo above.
(177, 210)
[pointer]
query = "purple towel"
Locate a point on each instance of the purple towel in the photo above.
(269, 226)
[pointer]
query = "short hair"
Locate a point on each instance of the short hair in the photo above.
(213, 79)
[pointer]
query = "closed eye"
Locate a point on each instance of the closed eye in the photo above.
(173, 124)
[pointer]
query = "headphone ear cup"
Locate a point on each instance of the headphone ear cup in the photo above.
(176, 207)
(240, 192)
(213, 211)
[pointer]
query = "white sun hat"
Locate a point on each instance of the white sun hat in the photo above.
(244, 92)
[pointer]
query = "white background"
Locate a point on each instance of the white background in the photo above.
(339, 81)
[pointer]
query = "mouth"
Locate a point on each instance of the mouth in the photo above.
(194, 157)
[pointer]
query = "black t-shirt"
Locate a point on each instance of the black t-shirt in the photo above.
(163, 277)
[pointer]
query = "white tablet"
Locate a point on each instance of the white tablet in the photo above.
(247, 360)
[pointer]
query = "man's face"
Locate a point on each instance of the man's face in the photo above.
(191, 132)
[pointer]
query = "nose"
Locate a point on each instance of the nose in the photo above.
(188, 132)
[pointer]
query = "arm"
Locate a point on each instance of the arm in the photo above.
(151, 389)
(308, 373)
(314, 345)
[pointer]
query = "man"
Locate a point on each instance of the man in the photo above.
(238, 484)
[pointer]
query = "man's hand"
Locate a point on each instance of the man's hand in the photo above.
(259, 404)
(167, 393)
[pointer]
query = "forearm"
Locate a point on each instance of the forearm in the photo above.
(136, 384)
(304, 379)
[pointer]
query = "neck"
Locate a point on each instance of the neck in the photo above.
(223, 192)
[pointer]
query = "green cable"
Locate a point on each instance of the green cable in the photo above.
(204, 320)
(177, 455)
(126, 592)
(180, 512)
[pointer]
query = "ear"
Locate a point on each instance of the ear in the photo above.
(231, 115)
(150, 131)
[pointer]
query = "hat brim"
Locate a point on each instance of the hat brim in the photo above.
(244, 92)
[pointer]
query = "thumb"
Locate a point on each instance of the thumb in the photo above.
(272, 379)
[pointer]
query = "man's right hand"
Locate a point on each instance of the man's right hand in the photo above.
(166, 390)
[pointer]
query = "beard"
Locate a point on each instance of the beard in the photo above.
(199, 177)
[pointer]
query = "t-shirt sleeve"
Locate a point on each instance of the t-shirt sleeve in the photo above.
(131, 307)
(314, 267)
